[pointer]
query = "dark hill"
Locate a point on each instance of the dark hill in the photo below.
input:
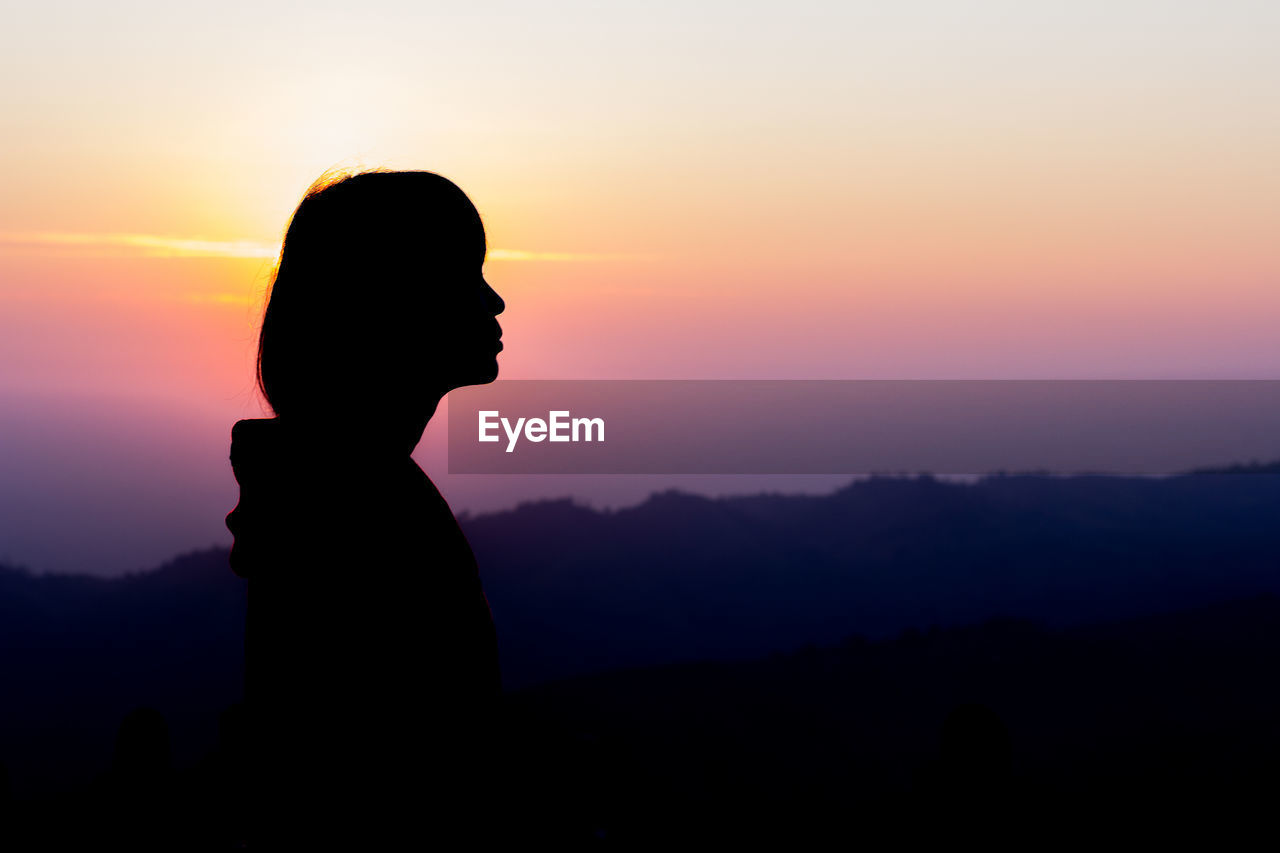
(678, 578)
(685, 578)
(1164, 727)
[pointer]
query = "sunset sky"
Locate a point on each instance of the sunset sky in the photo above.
(671, 189)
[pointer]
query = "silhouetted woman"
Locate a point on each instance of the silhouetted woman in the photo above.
(371, 662)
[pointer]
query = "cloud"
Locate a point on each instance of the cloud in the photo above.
(157, 246)
(518, 255)
(144, 245)
(235, 299)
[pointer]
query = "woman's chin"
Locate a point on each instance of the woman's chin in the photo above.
(482, 375)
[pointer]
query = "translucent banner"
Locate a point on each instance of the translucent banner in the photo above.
(861, 426)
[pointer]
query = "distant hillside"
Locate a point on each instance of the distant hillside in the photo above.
(78, 653)
(682, 577)
(677, 578)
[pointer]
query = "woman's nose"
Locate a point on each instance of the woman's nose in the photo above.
(496, 305)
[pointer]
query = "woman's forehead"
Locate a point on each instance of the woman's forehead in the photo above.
(455, 219)
(461, 242)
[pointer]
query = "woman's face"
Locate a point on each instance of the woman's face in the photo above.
(462, 332)
(479, 337)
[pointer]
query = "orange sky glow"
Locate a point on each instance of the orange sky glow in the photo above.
(678, 190)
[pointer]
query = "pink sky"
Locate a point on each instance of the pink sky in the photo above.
(809, 190)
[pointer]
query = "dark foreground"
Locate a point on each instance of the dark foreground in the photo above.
(1003, 734)
(1103, 670)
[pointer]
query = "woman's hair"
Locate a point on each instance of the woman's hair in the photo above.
(358, 261)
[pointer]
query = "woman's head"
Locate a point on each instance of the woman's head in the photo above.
(379, 299)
